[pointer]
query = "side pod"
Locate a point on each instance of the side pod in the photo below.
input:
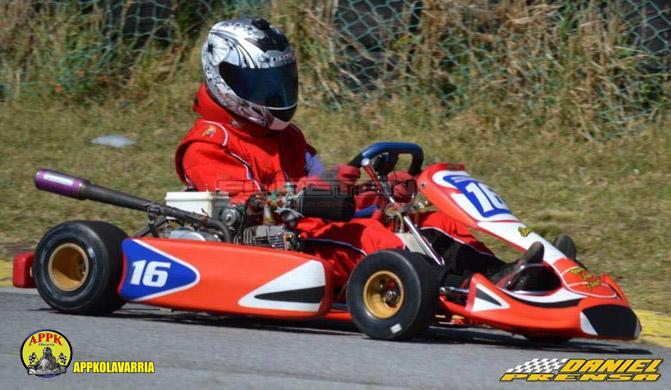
(225, 278)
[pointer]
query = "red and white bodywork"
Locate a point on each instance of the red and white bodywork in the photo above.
(248, 280)
(581, 305)
(225, 278)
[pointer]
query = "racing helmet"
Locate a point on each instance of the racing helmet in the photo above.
(250, 69)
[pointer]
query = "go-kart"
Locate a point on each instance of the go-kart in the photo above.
(214, 256)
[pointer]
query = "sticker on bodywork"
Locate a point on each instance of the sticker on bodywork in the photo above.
(486, 201)
(151, 273)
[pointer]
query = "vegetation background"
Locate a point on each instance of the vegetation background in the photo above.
(557, 105)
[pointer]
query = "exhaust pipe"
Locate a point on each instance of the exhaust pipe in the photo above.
(79, 188)
(82, 189)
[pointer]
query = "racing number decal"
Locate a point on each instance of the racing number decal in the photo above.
(152, 273)
(155, 274)
(486, 198)
(486, 201)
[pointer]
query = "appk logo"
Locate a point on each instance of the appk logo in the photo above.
(46, 353)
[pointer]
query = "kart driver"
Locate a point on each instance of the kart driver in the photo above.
(244, 142)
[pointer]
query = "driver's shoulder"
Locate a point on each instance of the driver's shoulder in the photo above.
(208, 131)
(293, 134)
(293, 131)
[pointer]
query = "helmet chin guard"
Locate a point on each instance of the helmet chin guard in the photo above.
(250, 69)
(278, 124)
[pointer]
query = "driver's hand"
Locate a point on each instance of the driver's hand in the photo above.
(344, 175)
(403, 186)
(347, 175)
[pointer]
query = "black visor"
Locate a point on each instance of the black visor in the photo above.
(270, 87)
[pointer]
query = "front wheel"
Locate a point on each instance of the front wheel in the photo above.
(392, 294)
(78, 267)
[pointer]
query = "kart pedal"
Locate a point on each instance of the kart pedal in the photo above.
(565, 244)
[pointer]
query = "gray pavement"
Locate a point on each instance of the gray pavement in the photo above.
(195, 350)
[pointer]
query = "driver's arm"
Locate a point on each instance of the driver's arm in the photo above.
(313, 164)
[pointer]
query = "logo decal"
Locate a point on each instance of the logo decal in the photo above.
(151, 273)
(524, 231)
(209, 132)
(46, 353)
(487, 202)
(590, 280)
(585, 370)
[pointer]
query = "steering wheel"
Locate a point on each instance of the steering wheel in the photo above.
(384, 157)
(379, 159)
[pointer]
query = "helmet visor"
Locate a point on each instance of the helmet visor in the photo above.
(275, 88)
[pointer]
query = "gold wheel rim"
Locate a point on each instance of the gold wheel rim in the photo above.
(383, 294)
(68, 267)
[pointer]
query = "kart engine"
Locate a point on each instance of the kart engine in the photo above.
(189, 233)
(266, 220)
(271, 236)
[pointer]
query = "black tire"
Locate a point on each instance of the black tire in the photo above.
(419, 295)
(96, 247)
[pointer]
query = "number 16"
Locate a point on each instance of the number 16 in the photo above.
(154, 276)
(487, 198)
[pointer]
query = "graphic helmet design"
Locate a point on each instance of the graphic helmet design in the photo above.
(250, 69)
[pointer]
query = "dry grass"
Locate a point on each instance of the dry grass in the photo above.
(569, 67)
(614, 198)
(553, 116)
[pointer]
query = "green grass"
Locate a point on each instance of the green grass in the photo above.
(614, 198)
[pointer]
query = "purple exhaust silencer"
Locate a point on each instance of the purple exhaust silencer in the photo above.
(60, 183)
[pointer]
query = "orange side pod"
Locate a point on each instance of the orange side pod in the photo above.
(225, 278)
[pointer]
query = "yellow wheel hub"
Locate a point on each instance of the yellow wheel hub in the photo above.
(383, 294)
(68, 266)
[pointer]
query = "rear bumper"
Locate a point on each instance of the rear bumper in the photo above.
(22, 275)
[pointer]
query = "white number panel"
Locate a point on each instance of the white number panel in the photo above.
(476, 198)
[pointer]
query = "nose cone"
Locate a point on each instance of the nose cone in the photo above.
(610, 321)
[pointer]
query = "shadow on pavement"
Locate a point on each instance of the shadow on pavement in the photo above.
(435, 335)
(506, 340)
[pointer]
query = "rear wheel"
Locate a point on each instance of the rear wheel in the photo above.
(78, 267)
(392, 294)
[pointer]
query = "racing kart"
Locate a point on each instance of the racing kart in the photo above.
(211, 255)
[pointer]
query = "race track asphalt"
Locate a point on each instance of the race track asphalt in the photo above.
(193, 350)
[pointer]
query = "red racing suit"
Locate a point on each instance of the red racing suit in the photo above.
(228, 153)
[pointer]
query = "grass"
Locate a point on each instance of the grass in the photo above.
(548, 105)
(614, 198)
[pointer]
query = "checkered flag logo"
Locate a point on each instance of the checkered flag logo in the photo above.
(545, 366)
